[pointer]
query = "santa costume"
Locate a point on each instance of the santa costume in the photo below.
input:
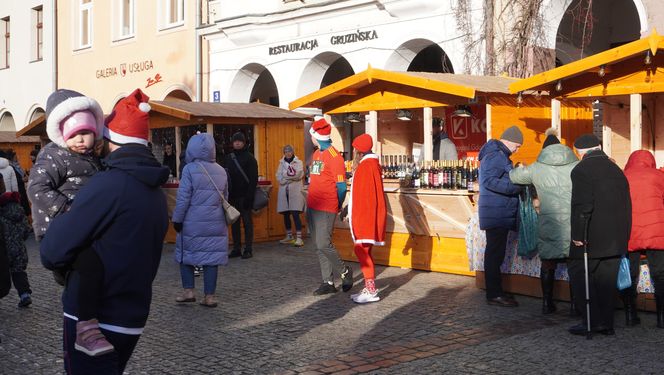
(367, 214)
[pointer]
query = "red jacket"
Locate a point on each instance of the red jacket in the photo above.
(367, 210)
(646, 185)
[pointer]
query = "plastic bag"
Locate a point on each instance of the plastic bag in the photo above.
(624, 277)
(528, 225)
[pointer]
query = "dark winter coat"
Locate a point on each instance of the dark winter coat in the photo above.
(600, 192)
(56, 177)
(646, 186)
(499, 197)
(5, 276)
(122, 214)
(551, 176)
(240, 188)
(203, 240)
(16, 229)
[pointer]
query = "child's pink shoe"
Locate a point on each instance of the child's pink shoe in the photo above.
(90, 340)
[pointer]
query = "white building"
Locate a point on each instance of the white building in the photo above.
(27, 65)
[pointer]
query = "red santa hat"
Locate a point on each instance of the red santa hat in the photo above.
(321, 130)
(363, 143)
(130, 121)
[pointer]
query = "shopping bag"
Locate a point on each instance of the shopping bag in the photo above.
(624, 277)
(260, 199)
(528, 225)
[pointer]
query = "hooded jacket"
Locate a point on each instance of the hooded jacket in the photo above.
(8, 174)
(499, 197)
(646, 187)
(289, 176)
(367, 211)
(56, 177)
(203, 240)
(122, 214)
(551, 176)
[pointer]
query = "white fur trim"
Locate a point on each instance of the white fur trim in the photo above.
(144, 107)
(66, 108)
(369, 156)
(123, 139)
(319, 136)
(551, 131)
(372, 242)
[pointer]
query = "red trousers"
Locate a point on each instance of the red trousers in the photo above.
(363, 253)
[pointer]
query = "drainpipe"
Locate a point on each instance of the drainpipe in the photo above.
(54, 43)
(199, 79)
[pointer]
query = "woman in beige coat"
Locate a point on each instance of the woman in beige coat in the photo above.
(290, 199)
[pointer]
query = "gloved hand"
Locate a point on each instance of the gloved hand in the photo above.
(343, 214)
(177, 227)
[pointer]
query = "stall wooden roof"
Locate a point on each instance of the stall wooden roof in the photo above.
(12, 137)
(36, 127)
(375, 89)
(625, 72)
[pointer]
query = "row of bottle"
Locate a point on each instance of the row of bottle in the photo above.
(437, 174)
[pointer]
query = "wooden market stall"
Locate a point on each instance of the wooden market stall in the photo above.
(427, 227)
(266, 127)
(21, 145)
(626, 84)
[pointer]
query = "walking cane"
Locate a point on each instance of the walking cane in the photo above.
(586, 218)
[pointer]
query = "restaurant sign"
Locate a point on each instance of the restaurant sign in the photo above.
(124, 69)
(354, 37)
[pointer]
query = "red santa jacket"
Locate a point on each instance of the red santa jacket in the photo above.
(646, 186)
(367, 211)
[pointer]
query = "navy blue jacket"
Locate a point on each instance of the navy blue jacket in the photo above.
(499, 197)
(121, 212)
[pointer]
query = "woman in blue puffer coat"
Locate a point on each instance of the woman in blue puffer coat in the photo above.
(198, 218)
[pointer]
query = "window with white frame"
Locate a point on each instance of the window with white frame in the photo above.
(36, 53)
(172, 13)
(84, 25)
(4, 45)
(124, 19)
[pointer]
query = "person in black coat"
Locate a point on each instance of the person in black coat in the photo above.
(600, 194)
(169, 159)
(5, 274)
(241, 194)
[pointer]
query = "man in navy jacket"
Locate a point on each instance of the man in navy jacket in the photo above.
(498, 208)
(122, 214)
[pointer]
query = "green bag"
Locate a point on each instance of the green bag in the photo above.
(528, 224)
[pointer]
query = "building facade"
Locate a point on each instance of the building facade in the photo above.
(106, 49)
(27, 60)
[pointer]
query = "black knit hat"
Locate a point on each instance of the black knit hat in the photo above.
(239, 136)
(586, 141)
(551, 137)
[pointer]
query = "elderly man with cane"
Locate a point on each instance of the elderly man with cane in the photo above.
(601, 224)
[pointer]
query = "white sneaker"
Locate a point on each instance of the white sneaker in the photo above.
(365, 297)
(287, 240)
(298, 242)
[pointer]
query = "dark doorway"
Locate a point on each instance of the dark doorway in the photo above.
(339, 70)
(431, 59)
(265, 90)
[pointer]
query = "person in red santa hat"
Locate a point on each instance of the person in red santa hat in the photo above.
(327, 191)
(117, 224)
(366, 213)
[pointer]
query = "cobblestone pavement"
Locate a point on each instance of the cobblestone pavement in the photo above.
(269, 323)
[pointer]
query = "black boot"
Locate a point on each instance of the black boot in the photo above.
(573, 311)
(659, 302)
(629, 301)
(547, 279)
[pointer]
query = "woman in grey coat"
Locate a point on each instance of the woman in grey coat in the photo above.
(198, 218)
(290, 200)
(551, 176)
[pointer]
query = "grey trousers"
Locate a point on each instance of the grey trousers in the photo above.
(321, 225)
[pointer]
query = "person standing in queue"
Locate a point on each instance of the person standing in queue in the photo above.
(498, 209)
(243, 173)
(290, 200)
(327, 190)
(601, 204)
(367, 213)
(646, 186)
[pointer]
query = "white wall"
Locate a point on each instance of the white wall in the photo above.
(25, 85)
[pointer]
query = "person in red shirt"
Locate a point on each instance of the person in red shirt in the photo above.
(327, 190)
(366, 213)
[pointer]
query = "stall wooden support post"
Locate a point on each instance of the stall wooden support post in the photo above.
(210, 129)
(371, 128)
(635, 133)
(178, 149)
(607, 134)
(555, 115)
(488, 121)
(427, 122)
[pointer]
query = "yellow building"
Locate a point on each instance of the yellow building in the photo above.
(106, 49)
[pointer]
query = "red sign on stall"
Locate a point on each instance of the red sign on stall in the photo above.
(467, 133)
